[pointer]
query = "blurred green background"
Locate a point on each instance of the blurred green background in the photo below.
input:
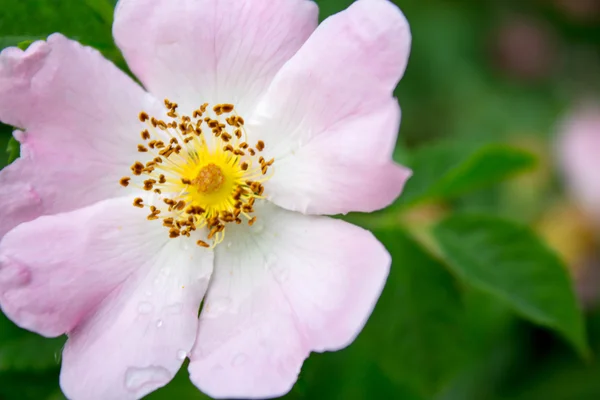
(488, 251)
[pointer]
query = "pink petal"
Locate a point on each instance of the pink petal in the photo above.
(578, 149)
(127, 295)
(328, 175)
(56, 269)
(79, 113)
(141, 334)
(196, 51)
(294, 284)
(329, 118)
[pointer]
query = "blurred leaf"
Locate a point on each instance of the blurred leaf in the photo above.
(25, 44)
(510, 262)
(31, 385)
(329, 7)
(416, 332)
(442, 172)
(85, 21)
(348, 374)
(12, 149)
(21, 350)
(491, 329)
(40, 18)
(5, 136)
(487, 166)
(559, 380)
(104, 8)
(9, 41)
(559, 376)
(30, 352)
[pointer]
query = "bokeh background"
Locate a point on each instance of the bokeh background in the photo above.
(486, 89)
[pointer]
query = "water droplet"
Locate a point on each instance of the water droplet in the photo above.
(145, 308)
(174, 309)
(138, 378)
(216, 307)
(239, 360)
(181, 354)
(229, 245)
(159, 323)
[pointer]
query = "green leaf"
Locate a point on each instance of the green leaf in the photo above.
(31, 385)
(25, 44)
(12, 149)
(416, 330)
(84, 21)
(17, 40)
(508, 261)
(347, 374)
(30, 352)
(21, 350)
(570, 378)
(443, 172)
(103, 8)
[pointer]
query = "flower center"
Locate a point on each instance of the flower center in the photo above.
(200, 169)
(210, 179)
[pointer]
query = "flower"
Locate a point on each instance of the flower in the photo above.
(116, 226)
(577, 148)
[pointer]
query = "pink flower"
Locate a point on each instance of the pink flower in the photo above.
(311, 122)
(579, 150)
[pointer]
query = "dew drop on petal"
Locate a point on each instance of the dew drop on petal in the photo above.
(138, 378)
(239, 360)
(216, 307)
(181, 354)
(145, 307)
(159, 323)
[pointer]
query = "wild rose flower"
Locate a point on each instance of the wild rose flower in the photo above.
(129, 208)
(578, 150)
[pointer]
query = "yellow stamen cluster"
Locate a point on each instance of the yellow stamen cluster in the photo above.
(201, 169)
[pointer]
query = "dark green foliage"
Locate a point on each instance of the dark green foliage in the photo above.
(477, 307)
